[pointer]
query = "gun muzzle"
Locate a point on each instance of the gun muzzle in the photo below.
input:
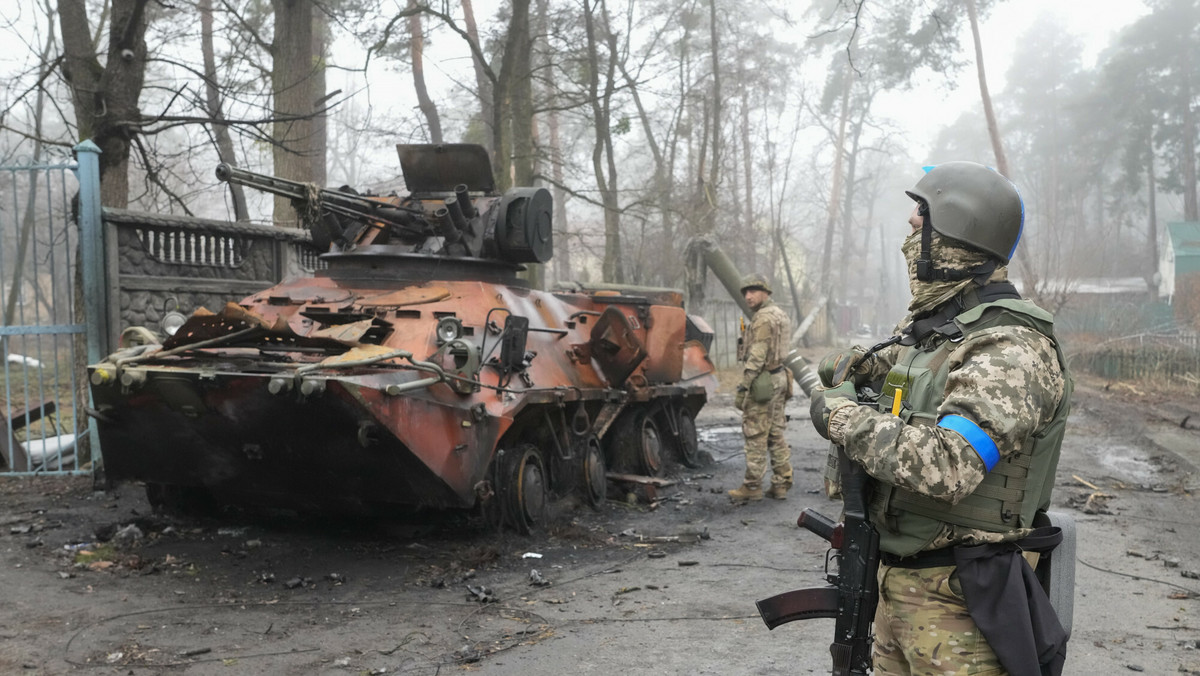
(446, 227)
(464, 200)
(456, 213)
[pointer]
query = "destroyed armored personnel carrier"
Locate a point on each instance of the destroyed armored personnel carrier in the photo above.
(417, 369)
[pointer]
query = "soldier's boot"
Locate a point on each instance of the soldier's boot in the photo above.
(779, 491)
(749, 491)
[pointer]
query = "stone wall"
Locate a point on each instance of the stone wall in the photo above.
(161, 263)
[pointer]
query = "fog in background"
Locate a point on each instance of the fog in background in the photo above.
(785, 132)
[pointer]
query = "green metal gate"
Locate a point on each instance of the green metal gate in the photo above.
(50, 254)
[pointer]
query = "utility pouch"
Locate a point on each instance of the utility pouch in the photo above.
(761, 388)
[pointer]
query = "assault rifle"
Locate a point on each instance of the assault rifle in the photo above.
(853, 592)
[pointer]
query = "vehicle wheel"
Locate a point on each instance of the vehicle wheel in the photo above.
(637, 444)
(687, 447)
(524, 488)
(595, 474)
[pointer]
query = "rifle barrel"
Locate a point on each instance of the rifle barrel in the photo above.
(334, 201)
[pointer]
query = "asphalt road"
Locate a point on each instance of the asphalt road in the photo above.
(668, 590)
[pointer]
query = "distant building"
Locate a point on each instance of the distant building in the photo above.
(1100, 305)
(1179, 271)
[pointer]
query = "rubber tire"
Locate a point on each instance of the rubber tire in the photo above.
(595, 475)
(637, 444)
(524, 492)
(687, 446)
(650, 446)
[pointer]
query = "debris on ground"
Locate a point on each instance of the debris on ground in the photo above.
(480, 594)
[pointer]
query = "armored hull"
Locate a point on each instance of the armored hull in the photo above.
(405, 375)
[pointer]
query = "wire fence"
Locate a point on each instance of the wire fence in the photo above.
(41, 342)
(1164, 357)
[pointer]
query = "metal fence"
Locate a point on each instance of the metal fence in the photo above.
(1164, 357)
(725, 317)
(44, 341)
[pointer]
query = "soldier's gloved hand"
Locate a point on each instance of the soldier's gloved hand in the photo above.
(739, 399)
(836, 368)
(826, 400)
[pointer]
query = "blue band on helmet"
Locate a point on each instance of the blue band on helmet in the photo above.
(1021, 227)
(976, 437)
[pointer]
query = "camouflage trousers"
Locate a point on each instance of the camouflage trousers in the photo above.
(922, 627)
(763, 426)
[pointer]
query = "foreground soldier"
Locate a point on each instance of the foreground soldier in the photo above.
(963, 443)
(761, 395)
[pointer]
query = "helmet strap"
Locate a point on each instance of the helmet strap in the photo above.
(926, 272)
(925, 269)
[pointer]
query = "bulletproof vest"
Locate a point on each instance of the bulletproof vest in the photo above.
(777, 320)
(1016, 488)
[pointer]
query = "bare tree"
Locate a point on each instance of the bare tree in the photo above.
(417, 51)
(989, 114)
(600, 93)
(296, 147)
(483, 83)
(516, 87)
(212, 94)
(105, 96)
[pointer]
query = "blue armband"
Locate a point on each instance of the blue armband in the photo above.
(975, 436)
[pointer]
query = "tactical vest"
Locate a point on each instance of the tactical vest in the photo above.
(1015, 488)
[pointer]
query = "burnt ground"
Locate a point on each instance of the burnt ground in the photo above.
(631, 589)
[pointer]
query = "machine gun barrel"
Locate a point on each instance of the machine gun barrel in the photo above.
(333, 201)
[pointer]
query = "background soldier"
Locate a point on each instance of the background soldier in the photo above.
(962, 444)
(764, 388)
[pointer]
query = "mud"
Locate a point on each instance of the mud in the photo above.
(95, 582)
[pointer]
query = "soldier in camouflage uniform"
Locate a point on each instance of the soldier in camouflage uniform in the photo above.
(761, 352)
(963, 442)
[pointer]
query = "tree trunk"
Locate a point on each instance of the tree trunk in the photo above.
(851, 253)
(417, 49)
(835, 189)
(520, 93)
(663, 195)
(562, 249)
(1191, 212)
(105, 97)
(1152, 216)
(602, 160)
(714, 170)
(749, 226)
(487, 108)
(319, 147)
(993, 128)
(28, 219)
(294, 88)
(212, 101)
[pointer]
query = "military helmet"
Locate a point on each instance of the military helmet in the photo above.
(974, 205)
(756, 281)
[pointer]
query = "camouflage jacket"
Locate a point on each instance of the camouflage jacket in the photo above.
(1005, 379)
(764, 344)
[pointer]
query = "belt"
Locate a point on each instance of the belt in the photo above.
(934, 558)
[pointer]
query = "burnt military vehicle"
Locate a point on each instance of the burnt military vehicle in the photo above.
(418, 369)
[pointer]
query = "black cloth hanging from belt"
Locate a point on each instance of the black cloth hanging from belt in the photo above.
(1008, 604)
